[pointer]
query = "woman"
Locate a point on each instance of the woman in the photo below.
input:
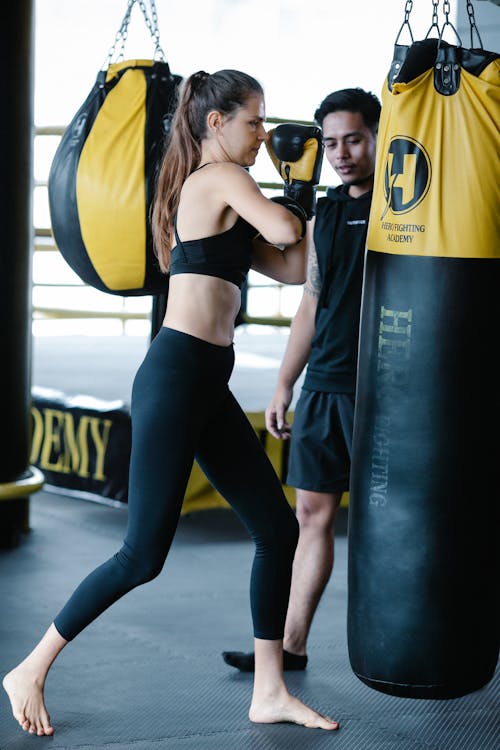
(209, 222)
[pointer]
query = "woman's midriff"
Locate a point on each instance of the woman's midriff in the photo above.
(203, 306)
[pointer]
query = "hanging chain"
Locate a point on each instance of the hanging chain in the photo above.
(447, 22)
(406, 22)
(152, 24)
(121, 36)
(151, 20)
(473, 27)
(446, 11)
(435, 18)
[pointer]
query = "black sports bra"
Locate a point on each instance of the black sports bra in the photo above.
(227, 255)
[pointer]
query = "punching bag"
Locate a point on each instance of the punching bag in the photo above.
(425, 481)
(102, 178)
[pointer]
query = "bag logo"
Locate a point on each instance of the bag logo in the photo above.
(407, 175)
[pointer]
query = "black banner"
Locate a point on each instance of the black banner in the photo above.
(81, 443)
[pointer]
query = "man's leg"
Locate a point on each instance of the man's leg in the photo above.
(312, 565)
(319, 453)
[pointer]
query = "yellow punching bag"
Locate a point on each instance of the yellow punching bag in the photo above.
(102, 177)
(423, 561)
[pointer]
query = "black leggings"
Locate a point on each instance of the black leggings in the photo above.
(182, 409)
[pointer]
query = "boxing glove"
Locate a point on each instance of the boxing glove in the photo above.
(297, 152)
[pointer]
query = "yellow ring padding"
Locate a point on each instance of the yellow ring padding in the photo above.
(24, 486)
(111, 186)
(458, 216)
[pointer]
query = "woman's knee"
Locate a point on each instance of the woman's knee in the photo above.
(292, 531)
(280, 537)
(140, 569)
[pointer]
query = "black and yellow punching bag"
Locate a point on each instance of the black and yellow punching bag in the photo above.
(425, 482)
(102, 177)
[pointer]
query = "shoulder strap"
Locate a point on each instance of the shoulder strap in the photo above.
(202, 165)
(177, 238)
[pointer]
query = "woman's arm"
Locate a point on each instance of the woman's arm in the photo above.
(279, 250)
(286, 264)
(275, 223)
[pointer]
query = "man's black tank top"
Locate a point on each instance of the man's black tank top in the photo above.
(340, 241)
(227, 255)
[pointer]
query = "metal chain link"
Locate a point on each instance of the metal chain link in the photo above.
(447, 22)
(121, 36)
(473, 27)
(406, 22)
(435, 19)
(151, 20)
(152, 24)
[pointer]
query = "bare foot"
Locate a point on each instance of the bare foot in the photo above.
(285, 707)
(26, 699)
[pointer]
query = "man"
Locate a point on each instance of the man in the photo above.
(324, 336)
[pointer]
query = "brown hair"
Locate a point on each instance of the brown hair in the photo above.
(224, 91)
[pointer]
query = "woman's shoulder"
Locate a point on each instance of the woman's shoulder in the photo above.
(223, 179)
(214, 174)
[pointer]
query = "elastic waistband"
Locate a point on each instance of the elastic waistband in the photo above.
(195, 340)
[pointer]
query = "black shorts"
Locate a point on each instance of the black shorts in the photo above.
(320, 443)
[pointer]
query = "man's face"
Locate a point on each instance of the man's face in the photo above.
(350, 149)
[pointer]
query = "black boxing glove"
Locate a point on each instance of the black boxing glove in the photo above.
(297, 153)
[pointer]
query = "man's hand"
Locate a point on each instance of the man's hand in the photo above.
(276, 411)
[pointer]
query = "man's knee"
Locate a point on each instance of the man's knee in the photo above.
(317, 509)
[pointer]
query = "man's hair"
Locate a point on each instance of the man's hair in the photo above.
(351, 100)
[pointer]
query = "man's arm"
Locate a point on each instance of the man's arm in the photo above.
(298, 347)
